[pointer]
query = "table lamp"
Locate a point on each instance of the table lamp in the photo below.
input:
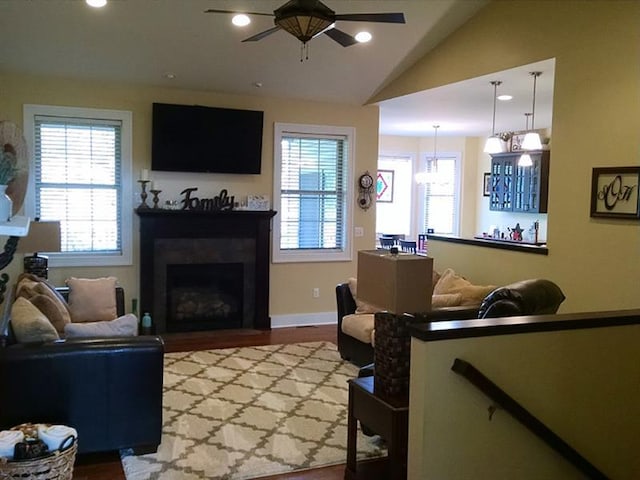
(42, 237)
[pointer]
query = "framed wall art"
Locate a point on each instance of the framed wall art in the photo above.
(384, 186)
(515, 143)
(614, 192)
(486, 184)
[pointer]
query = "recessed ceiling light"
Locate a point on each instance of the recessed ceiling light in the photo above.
(169, 75)
(504, 98)
(363, 37)
(96, 3)
(241, 20)
(257, 84)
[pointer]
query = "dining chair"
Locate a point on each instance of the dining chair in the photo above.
(408, 246)
(387, 242)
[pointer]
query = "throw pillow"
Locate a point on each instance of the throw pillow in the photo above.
(451, 283)
(446, 300)
(30, 324)
(125, 326)
(361, 305)
(28, 286)
(57, 315)
(92, 299)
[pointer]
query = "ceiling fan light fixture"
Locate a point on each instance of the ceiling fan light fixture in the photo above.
(304, 19)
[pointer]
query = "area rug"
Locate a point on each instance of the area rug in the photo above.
(249, 412)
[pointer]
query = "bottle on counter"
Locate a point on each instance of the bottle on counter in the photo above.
(146, 324)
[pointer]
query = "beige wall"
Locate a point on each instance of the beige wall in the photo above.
(596, 122)
(583, 384)
(291, 284)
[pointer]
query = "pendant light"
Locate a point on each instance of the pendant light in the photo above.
(532, 139)
(525, 158)
(429, 175)
(493, 143)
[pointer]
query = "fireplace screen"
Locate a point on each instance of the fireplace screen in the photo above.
(205, 296)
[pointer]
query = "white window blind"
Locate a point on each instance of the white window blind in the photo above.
(80, 160)
(312, 195)
(78, 181)
(440, 197)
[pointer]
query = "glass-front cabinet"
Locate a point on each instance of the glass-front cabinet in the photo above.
(519, 189)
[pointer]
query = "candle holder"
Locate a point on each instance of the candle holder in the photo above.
(143, 193)
(155, 197)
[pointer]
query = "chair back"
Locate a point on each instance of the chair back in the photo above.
(527, 297)
(387, 242)
(408, 246)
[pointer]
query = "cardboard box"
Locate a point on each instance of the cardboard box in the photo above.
(399, 283)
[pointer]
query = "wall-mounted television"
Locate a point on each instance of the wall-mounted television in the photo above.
(194, 138)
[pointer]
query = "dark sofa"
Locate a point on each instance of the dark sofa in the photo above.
(527, 297)
(109, 390)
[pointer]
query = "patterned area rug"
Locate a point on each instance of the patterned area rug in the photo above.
(248, 412)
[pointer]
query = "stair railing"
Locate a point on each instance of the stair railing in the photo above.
(522, 415)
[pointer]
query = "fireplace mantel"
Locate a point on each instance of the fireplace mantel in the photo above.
(161, 227)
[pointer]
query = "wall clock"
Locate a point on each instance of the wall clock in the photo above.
(365, 186)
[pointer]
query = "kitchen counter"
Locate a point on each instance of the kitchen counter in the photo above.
(489, 242)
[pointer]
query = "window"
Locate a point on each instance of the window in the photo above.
(79, 160)
(311, 193)
(440, 195)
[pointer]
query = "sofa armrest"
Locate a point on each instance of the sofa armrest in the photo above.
(110, 390)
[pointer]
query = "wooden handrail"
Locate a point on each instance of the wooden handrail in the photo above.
(522, 415)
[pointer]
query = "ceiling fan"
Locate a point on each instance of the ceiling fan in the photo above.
(306, 19)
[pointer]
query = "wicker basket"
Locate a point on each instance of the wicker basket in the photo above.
(55, 466)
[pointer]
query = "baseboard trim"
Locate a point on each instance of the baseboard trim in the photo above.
(303, 319)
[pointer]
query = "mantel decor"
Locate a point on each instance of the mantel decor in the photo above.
(614, 192)
(220, 202)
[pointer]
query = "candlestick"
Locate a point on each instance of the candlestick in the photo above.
(155, 193)
(143, 193)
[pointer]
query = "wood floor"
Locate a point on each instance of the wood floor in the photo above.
(108, 466)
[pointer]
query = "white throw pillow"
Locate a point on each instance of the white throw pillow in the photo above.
(125, 326)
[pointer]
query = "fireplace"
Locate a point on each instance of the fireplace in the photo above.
(204, 296)
(203, 270)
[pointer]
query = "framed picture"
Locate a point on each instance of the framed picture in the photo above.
(515, 143)
(486, 184)
(614, 192)
(384, 186)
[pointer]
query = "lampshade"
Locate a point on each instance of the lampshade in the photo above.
(304, 23)
(525, 160)
(532, 139)
(42, 237)
(493, 145)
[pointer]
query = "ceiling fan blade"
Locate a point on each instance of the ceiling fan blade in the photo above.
(373, 17)
(261, 35)
(213, 10)
(341, 37)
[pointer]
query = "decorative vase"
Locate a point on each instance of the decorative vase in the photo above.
(6, 205)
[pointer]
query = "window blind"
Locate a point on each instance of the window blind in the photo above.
(312, 192)
(78, 169)
(440, 200)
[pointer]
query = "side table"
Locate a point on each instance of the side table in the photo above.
(386, 416)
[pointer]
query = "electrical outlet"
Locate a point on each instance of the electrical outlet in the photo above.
(316, 292)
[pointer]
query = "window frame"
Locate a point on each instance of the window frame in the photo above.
(84, 259)
(457, 200)
(292, 256)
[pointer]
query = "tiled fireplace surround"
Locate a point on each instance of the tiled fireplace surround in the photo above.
(219, 257)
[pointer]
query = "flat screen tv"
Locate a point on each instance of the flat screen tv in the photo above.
(193, 138)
